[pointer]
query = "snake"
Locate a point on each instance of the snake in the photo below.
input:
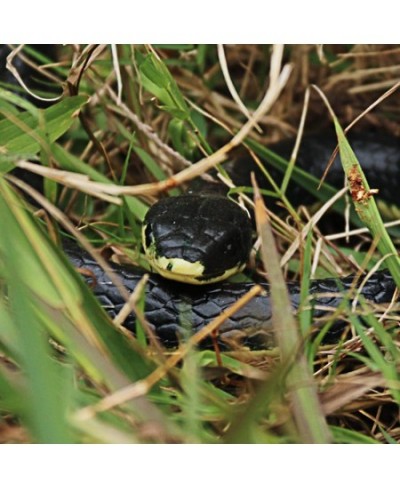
(194, 242)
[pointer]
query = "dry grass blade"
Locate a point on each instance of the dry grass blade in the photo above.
(296, 147)
(74, 180)
(231, 86)
(308, 227)
(117, 71)
(348, 388)
(307, 412)
(13, 70)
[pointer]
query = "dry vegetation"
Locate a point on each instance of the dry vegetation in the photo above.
(359, 393)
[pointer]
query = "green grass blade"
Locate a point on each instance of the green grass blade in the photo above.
(377, 359)
(62, 305)
(55, 284)
(8, 334)
(18, 135)
(346, 436)
(12, 393)
(244, 426)
(365, 204)
(47, 405)
(13, 101)
(157, 79)
(190, 381)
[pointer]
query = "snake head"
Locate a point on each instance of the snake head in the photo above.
(197, 239)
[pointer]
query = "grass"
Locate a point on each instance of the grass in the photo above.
(131, 119)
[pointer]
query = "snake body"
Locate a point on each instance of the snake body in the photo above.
(170, 305)
(377, 151)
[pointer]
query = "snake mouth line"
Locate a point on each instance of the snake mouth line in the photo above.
(192, 273)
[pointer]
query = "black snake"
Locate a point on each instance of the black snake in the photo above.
(170, 305)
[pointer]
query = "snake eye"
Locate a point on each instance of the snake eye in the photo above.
(148, 235)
